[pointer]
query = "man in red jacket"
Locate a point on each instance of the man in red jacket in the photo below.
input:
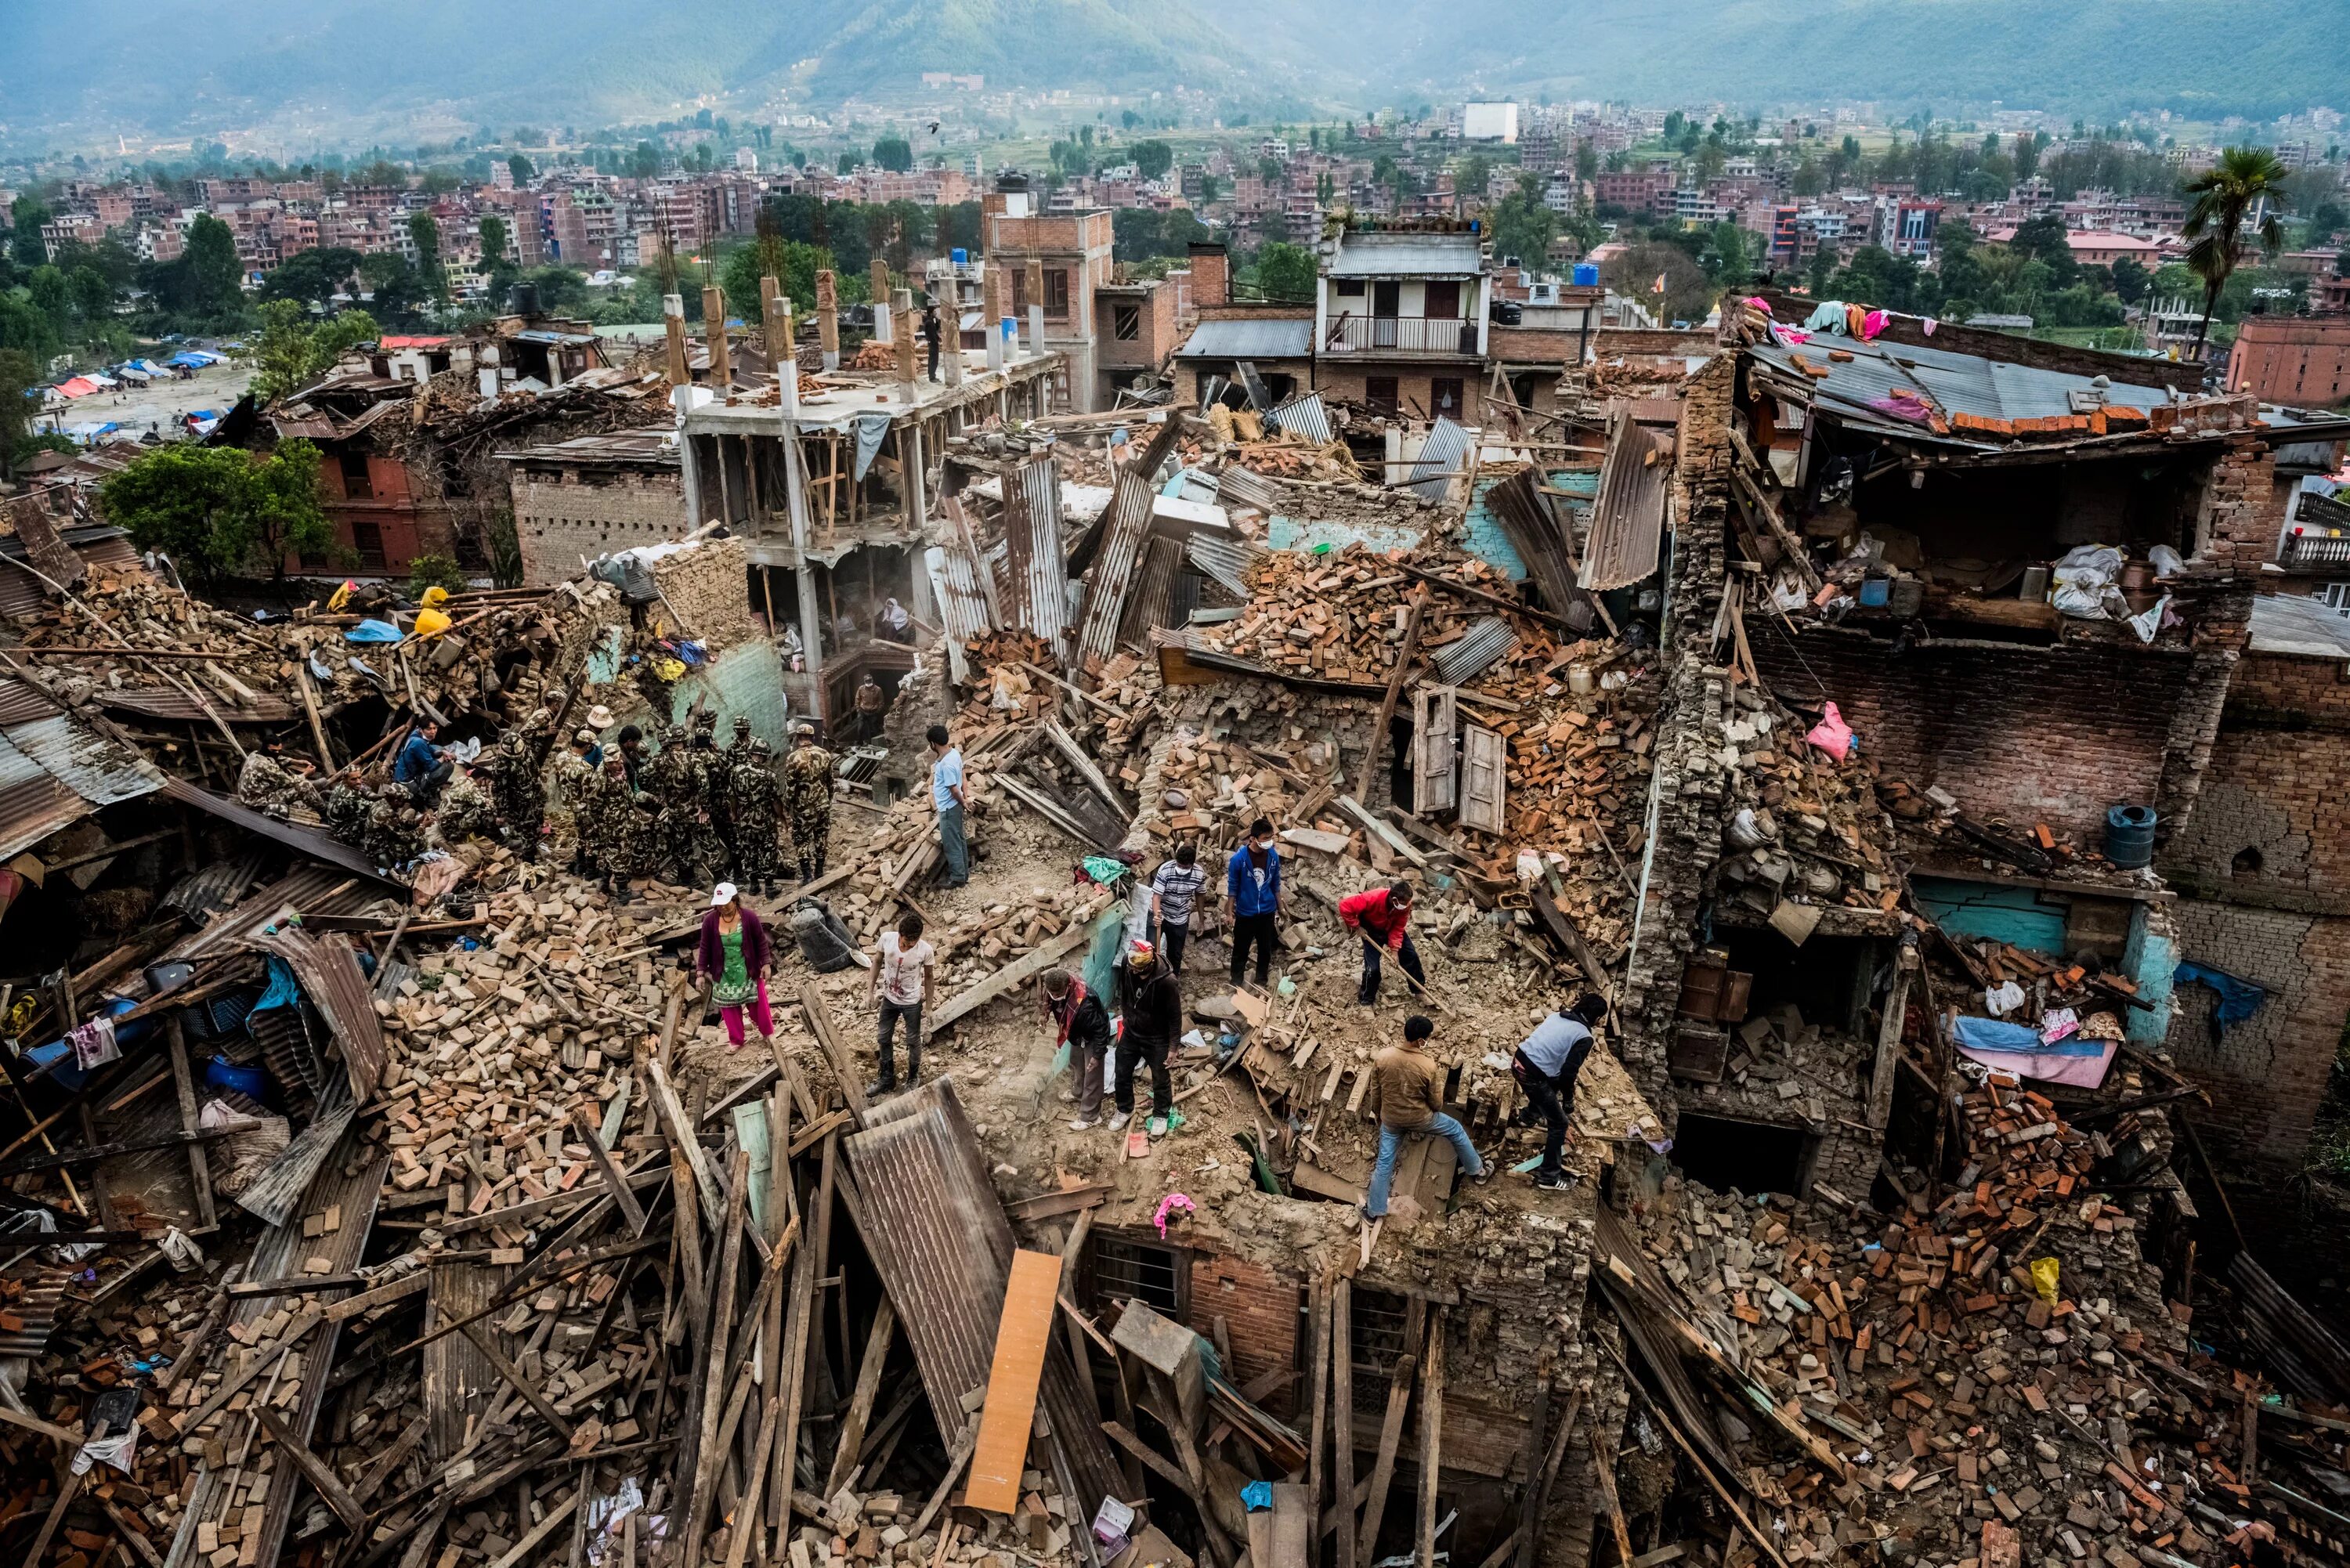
(1382, 918)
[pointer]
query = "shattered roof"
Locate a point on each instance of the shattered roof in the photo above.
(54, 769)
(1962, 383)
(1250, 337)
(645, 447)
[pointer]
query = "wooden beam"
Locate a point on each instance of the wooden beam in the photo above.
(1318, 1357)
(521, 1385)
(1383, 1466)
(1603, 1471)
(1012, 975)
(1395, 689)
(322, 1478)
(1431, 1436)
(860, 1403)
(1342, 1413)
(844, 1066)
(615, 1183)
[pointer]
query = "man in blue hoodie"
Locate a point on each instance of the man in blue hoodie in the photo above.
(1252, 880)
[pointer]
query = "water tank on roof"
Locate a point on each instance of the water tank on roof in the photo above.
(1586, 275)
(522, 300)
(961, 257)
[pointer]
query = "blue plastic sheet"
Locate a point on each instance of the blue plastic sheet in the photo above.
(372, 631)
(2239, 999)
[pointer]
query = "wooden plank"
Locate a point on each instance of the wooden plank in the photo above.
(860, 1403)
(1383, 1465)
(1161, 1465)
(683, 1142)
(184, 1082)
(1023, 1333)
(323, 1480)
(1317, 1358)
(521, 1385)
(844, 1066)
(1292, 1536)
(1016, 972)
(1342, 1414)
(615, 1183)
(1436, 721)
(1431, 1436)
(1484, 780)
(521, 1548)
(255, 1364)
(1395, 689)
(1603, 1471)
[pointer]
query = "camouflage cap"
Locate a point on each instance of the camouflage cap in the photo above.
(742, 723)
(759, 748)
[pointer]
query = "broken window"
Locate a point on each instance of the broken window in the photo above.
(1126, 322)
(1376, 1325)
(1444, 393)
(1117, 1269)
(1056, 290)
(1382, 394)
(367, 538)
(357, 485)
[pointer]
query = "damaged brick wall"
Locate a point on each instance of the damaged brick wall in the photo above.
(2240, 510)
(561, 522)
(2265, 864)
(2053, 735)
(708, 586)
(1264, 1319)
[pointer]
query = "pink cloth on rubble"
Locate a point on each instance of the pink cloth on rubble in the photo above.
(1832, 734)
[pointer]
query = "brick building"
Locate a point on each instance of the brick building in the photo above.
(592, 495)
(1072, 251)
(2304, 360)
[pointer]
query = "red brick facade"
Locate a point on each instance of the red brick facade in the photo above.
(1263, 1317)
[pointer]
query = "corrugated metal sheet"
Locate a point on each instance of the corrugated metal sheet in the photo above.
(46, 547)
(2301, 1350)
(1236, 486)
(1407, 255)
(1255, 337)
(1031, 533)
(309, 888)
(1627, 518)
(1225, 558)
(24, 595)
(54, 771)
(1152, 602)
(1960, 383)
(308, 841)
(1473, 652)
(21, 701)
(169, 704)
(331, 975)
(963, 608)
(940, 1241)
(1538, 533)
(1303, 415)
(1439, 460)
(220, 884)
(1121, 550)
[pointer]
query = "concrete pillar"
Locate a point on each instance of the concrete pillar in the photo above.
(943, 289)
(688, 469)
(713, 333)
(918, 512)
(827, 317)
(883, 325)
(673, 325)
(1035, 307)
(909, 344)
(776, 322)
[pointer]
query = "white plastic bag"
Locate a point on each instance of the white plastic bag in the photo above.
(2003, 999)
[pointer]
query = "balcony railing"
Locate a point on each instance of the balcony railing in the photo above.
(2313, 552)
(1401, 335)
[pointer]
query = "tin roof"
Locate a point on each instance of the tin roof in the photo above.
(54, 769)
(1250, 337)
(1389, 255)
(1960, 383)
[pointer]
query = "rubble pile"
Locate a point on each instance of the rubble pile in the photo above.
(1805, 826)
(1992, 1373)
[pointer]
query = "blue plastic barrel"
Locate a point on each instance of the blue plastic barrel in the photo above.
(220, 1072)
(961, 257)
(1586, 275)
(2129, 835)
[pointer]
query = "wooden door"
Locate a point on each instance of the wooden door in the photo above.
(1435, 726)
(1482, 780)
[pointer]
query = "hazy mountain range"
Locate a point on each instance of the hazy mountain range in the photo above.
(333, 70)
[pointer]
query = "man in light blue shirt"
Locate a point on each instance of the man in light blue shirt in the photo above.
(1545, 1065)
(947, 800)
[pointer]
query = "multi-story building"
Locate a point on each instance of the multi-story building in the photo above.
(1071, 253)
(1400, 316)
(2301, 360)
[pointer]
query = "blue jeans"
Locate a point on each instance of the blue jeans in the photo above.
(957, 847)
(1391, 1144)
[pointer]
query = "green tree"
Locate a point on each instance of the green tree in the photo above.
(293, 350)
(1153, 159)
(215, 276)
(2225, 195)
(394, 289)
(19, 373)
(1522, 226)
(1587, 162)
(1475, 177)
(313, 276)
(27, 213)
(519, 167)
(425, 235)
(847, 164)
(1285, 273)
(220, 510)
(894, 153)
(436, 572)
(493, 239)
(2130, 281)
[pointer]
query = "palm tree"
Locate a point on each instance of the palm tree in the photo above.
(2224, 196)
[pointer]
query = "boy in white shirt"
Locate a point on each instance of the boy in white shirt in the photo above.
(902, 972)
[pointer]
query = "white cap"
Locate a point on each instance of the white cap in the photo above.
(722, 894)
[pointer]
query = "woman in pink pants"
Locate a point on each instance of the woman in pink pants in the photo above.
(735, 961)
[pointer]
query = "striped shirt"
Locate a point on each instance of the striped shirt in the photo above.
(1177, 887)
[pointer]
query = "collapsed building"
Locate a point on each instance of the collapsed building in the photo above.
(1725, 691)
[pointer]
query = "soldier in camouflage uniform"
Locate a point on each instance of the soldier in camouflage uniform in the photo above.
(664, 775)
(466, 810)
(609, 826)
(568, 781)
(268, 785)
(346, 810)
(710, 790)
(808, 800)
(515, 790)
(391, 838)
(758, 802)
